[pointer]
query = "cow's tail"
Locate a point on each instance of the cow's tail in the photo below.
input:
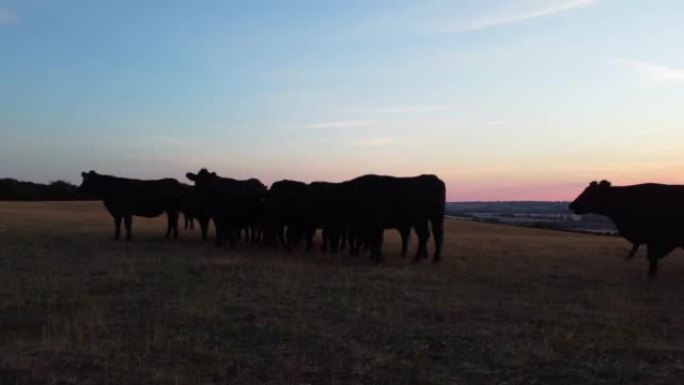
(437, 219)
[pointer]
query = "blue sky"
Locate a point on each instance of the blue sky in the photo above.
(520, 99)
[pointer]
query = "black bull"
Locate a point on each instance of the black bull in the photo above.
(650, 214)
(125, 198)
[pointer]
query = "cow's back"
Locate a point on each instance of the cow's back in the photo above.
(647, 212)
(396, 201)
(147, 198)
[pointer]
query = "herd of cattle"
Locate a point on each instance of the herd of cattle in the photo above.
(355, 213)
(351, 214)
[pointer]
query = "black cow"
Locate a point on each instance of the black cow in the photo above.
(372, 203)
(328, 213)
(125, 197)
(232, 204)
(193, 208)
(288, 212)
(324, 198)
(650, 214)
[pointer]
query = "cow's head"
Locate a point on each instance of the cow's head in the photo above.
(202, 176)
(89, 184)
(592, 199)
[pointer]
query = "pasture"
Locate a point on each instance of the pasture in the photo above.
(506, 306)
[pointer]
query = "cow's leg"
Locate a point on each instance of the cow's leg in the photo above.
(423, 236)
(290, 238)
(633, 251)
(438, 234)
(285, 241)
(343, 240)
(352, 238)
(174, 223)
(169, 226)
(256, 234)
(204, 225)
(374, 243)
(218, 227)
(117, 227)
(128, 219)
(232, 235)
(189, 221)
(324, 238)
(405, 233)
(655, 253)
(310, 232)
(333, 239)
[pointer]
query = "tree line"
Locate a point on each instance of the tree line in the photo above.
(15, 190)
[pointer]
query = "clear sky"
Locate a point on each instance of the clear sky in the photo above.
(508, 99)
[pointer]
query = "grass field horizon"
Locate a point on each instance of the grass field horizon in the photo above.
(507, 305)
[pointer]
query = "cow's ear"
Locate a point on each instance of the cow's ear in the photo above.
(593, 184)
(191, 176)
(84, 175)
(213, 174)
(604, 183)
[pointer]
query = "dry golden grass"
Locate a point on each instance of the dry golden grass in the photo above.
(507, 306)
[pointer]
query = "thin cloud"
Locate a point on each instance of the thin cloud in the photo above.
(417, 20)
(656, 73)
(417, 109)
(375, 141)
(503, 18)
(7, 17)
(343, 124)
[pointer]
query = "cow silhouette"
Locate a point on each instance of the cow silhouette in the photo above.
(289, 214)
(370, 204)
(125, 198)
(233, 205)
(193, 208)
(646, 214)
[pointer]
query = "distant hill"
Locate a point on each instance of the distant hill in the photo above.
(538, 214)
(509, 207)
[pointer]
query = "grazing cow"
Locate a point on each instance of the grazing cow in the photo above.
(124, 198)
(372, 203)
(650, 214)
(193, 208)
(232, 204)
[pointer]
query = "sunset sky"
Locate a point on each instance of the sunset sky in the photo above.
(504, 100)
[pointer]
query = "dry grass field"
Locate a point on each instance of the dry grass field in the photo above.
(507, 306)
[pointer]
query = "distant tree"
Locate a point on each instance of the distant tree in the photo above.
(15, 190)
